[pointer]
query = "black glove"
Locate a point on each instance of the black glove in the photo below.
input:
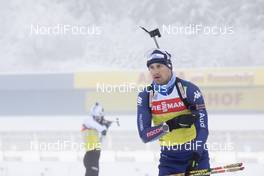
(108, 124)
(193, 163)
(181, 121)
(104, 132)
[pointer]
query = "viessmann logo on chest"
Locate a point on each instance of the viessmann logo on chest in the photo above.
(169, 105)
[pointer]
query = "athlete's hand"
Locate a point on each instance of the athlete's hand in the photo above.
(104, 132)
(194, 162)
(108, 124)
(181, 121)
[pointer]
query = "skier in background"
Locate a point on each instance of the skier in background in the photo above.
(93, 129)
(176, 108)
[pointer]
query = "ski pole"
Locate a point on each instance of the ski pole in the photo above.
(217, 168)
(220, 169)
(116, 121)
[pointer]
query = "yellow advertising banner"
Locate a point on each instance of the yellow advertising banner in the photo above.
(234, 99)
(217, 99)
(224, 89)
(210, 77)
(113, 102)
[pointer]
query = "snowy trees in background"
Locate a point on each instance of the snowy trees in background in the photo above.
(113, 39)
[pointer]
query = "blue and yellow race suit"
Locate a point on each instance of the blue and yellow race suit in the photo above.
(91, 132)
(179, 145)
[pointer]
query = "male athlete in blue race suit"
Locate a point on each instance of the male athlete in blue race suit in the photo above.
(177, 111)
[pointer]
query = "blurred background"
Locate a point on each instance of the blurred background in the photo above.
(59, 57)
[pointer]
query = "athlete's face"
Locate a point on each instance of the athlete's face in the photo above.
(160, 73)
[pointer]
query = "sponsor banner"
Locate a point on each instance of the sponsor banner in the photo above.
(224, 77)
(234, 99)
(211, 77)
(112, 102)
(230, 99)
(97, 80)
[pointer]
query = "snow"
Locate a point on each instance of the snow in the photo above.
(114, 160)
(128, 122)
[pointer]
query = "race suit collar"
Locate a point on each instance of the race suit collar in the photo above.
(166, 88)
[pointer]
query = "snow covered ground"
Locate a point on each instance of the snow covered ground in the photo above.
(237, 122)
(115, 159)
(106, 169)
